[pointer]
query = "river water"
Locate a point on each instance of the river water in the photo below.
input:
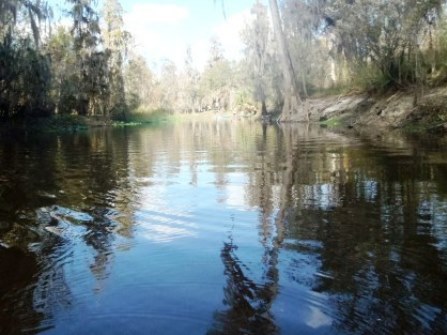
(222, 228)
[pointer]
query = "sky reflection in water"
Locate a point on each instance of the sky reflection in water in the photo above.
(222, 228)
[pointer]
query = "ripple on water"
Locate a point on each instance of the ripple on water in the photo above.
(165, 227)
(224, 226)
(138, 323)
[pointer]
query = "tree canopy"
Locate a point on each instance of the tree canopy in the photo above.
(292, 50)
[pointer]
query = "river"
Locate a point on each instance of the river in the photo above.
(222, 228)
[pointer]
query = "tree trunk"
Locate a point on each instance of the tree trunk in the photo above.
(263, 108)
(292, 100)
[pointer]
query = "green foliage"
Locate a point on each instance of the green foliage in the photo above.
(67, 122)
(24, 80)
(369, 78)
(91, 68)
(438, 55)
(217, 82)
(243, 97)
(332, 45)
(142, 115)
(73, 72)
(387, 36)
(216, 77)
(138, 83)
(115, 40)
(332, 122)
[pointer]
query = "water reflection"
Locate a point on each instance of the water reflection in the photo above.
(365, 233)
(16, 312)
(248, 303)
(251, 229)
(80, 171)
(378, 253)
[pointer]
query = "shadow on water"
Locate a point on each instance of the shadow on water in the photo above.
(87, 172)
(331, 234)
(249, 303)
(370, 223)
(16, 312)
(380, 227)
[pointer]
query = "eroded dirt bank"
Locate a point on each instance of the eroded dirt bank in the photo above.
(426, 110)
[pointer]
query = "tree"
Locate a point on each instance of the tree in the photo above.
(216, 79)
(302, 29)
(138, 81)
(190, 82)
(24, 71)
(388, 36)
(256, 39)
(60, 48)
(24, 80)
(169, 85)
(34, 11)
(92, 64)
(115, 40)
(292, 99)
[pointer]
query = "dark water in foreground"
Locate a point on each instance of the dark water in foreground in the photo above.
(222, 228)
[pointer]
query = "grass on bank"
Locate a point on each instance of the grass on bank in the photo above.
(332, 122)
(74, 123)
(143, 116)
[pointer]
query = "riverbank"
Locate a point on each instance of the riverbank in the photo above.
(73, 123)
(426, 111)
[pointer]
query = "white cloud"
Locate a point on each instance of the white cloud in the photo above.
(145, 14)
(229, 33)
(200, 49)
(160, 31)
(146, 23)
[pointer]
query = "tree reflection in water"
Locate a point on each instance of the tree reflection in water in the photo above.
(33, 261)
(370, 226)
(358, 224)
(18, 270)
(374, 220)
(249, 302)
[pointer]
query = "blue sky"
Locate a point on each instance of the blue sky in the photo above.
(164, 29)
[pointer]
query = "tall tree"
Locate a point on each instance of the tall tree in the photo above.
(190, 83)
(256, 38)
(292, 100)
(301, 25)
(24, 71)
(389, 36)
(33, 11)
(92, 67)
(138, 81)
(169, 85)
(115, 40)
(216, 80)
(64, 72)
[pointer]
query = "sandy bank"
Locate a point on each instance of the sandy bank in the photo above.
(427, 110)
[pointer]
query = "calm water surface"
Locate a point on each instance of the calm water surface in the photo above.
(222, 228)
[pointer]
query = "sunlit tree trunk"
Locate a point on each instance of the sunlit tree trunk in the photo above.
(115, 40)
(292, 100)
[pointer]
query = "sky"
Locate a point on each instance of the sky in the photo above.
(164, 29)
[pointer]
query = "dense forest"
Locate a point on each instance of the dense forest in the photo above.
(293, 49)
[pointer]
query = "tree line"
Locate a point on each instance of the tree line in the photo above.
(48, 68)
(292, 50)
(345, 45)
